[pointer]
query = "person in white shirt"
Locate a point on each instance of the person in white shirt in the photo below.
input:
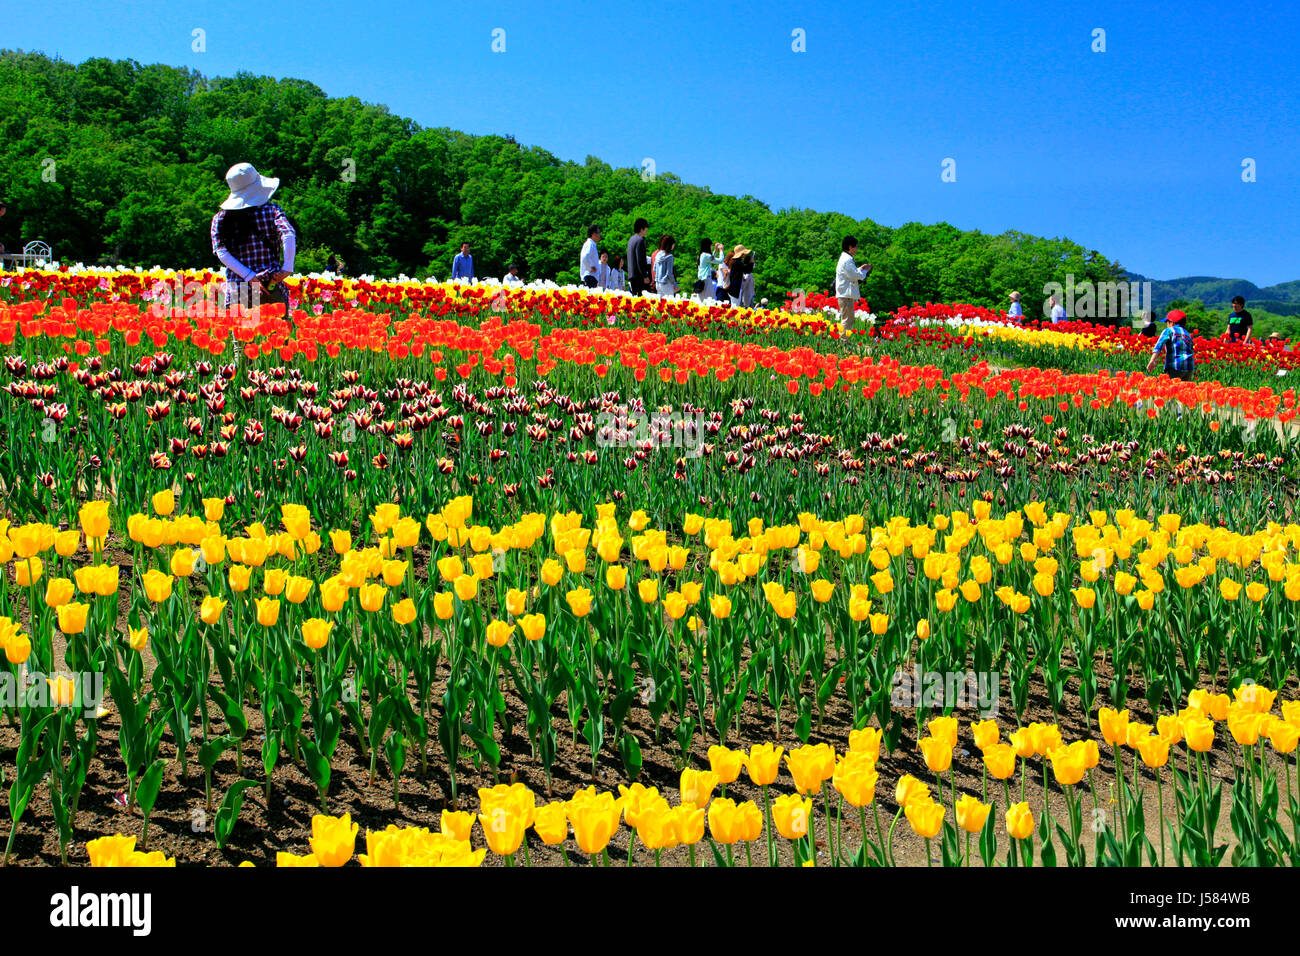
(603, 271)
(617, 278)
(512, 275)
(589, 260)
(1058, 310)
(847, 276)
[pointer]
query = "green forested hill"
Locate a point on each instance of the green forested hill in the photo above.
(1283, 298)
(115, 162)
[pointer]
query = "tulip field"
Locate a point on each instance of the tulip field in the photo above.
(459, 575)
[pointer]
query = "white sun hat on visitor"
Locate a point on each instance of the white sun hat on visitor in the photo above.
(248, 188)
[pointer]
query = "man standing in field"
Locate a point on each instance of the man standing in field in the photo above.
(589, 260)
(847, 276)
(462, 267)
(638, 263)
(1240, 322)
(1058, 311)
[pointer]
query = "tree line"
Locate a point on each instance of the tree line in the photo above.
(111, 161)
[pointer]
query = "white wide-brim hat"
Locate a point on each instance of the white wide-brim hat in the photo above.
(248, 188)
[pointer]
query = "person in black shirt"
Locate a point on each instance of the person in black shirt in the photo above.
(638, 265)
(1240, 322)
(1149, 329)
(739, 263)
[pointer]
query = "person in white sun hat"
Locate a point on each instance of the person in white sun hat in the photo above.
(253, 238)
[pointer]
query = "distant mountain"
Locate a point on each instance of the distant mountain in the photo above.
(1283, 298)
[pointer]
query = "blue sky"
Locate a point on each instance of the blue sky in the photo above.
(1136, 152)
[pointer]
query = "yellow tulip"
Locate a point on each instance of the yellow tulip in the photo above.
(551, 822)
(444, 605)
(139, 638)
(690, 824)
(725, 763)
(696, 786)
(985, 733)
(910, 790)
(210, 610)
(1000, 760)
(945, 729)
(937, 753)
(341, 541)
(1154, 751)
(93, 516)
(763, 763)
(1114, 725)
(971, 813)
(579, 600)
(268, 611)
(867, 740)
(72, 617)
(925, 817)
(28, 571)
(403, 612)
(316, 632)
(595, 822)
(466, 587)
(503, 828)
(498, 633)
(533, 626)
(66, 542)
(811, 766)
(58, 591)
(856, 777)
(297, 588)
(552, 571)
(1020, 822)
(1067, 765)
(792, 815)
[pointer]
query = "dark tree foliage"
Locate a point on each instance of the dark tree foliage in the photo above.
(115, 162)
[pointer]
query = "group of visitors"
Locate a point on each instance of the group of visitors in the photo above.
(594, 269)
(716, 274)
(256, 242)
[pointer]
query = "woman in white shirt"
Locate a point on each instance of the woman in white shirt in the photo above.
(664, 276)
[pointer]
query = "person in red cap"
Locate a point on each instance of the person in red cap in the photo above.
(1178, 346)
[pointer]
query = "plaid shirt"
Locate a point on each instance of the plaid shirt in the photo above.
(1178, 342)
(262, 251)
